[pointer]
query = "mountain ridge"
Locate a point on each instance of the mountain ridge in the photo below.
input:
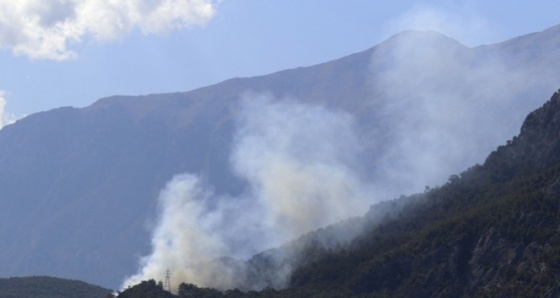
(81, 184)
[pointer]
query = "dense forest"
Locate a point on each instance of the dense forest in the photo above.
(491, 231)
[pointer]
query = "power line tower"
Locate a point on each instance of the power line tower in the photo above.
(167, 285)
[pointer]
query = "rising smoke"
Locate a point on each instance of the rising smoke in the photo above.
(445, 106)
(301, 168)
(300, 162)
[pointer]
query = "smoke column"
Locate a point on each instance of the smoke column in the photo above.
(183, 235)
(300, 164)
(301, 161)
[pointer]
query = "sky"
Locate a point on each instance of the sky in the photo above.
(57, 53)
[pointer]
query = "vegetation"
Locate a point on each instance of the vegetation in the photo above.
(49, 287)
(146, 289)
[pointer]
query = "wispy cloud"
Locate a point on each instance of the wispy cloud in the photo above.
(5, 118)
(47, 29)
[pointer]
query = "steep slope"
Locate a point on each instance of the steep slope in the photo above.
(79, 185)
(490, 232)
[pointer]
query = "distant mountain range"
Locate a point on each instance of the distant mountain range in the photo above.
(78, 186)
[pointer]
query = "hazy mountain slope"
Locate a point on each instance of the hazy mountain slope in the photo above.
(490, 232)
(49, 287)
(79, 185)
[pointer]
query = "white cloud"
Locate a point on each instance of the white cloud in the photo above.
(46, 29)
(5, 118)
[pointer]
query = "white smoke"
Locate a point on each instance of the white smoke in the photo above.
(184, 236)
(300, 164)
(454, 105)
(46, 29)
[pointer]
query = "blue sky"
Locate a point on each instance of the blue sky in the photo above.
(72, 52)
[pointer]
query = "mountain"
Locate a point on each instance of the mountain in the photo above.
(49, 287)
(491, 231)
(78, 186)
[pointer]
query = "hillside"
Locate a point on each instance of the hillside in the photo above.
(79, 186)
(491, 231)
(49, 287)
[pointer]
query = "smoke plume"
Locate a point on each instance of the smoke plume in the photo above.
(300, 164)
(441, 106)
(45, 29)
(445, 106)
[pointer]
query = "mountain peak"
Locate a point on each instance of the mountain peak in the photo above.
(421, 37)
